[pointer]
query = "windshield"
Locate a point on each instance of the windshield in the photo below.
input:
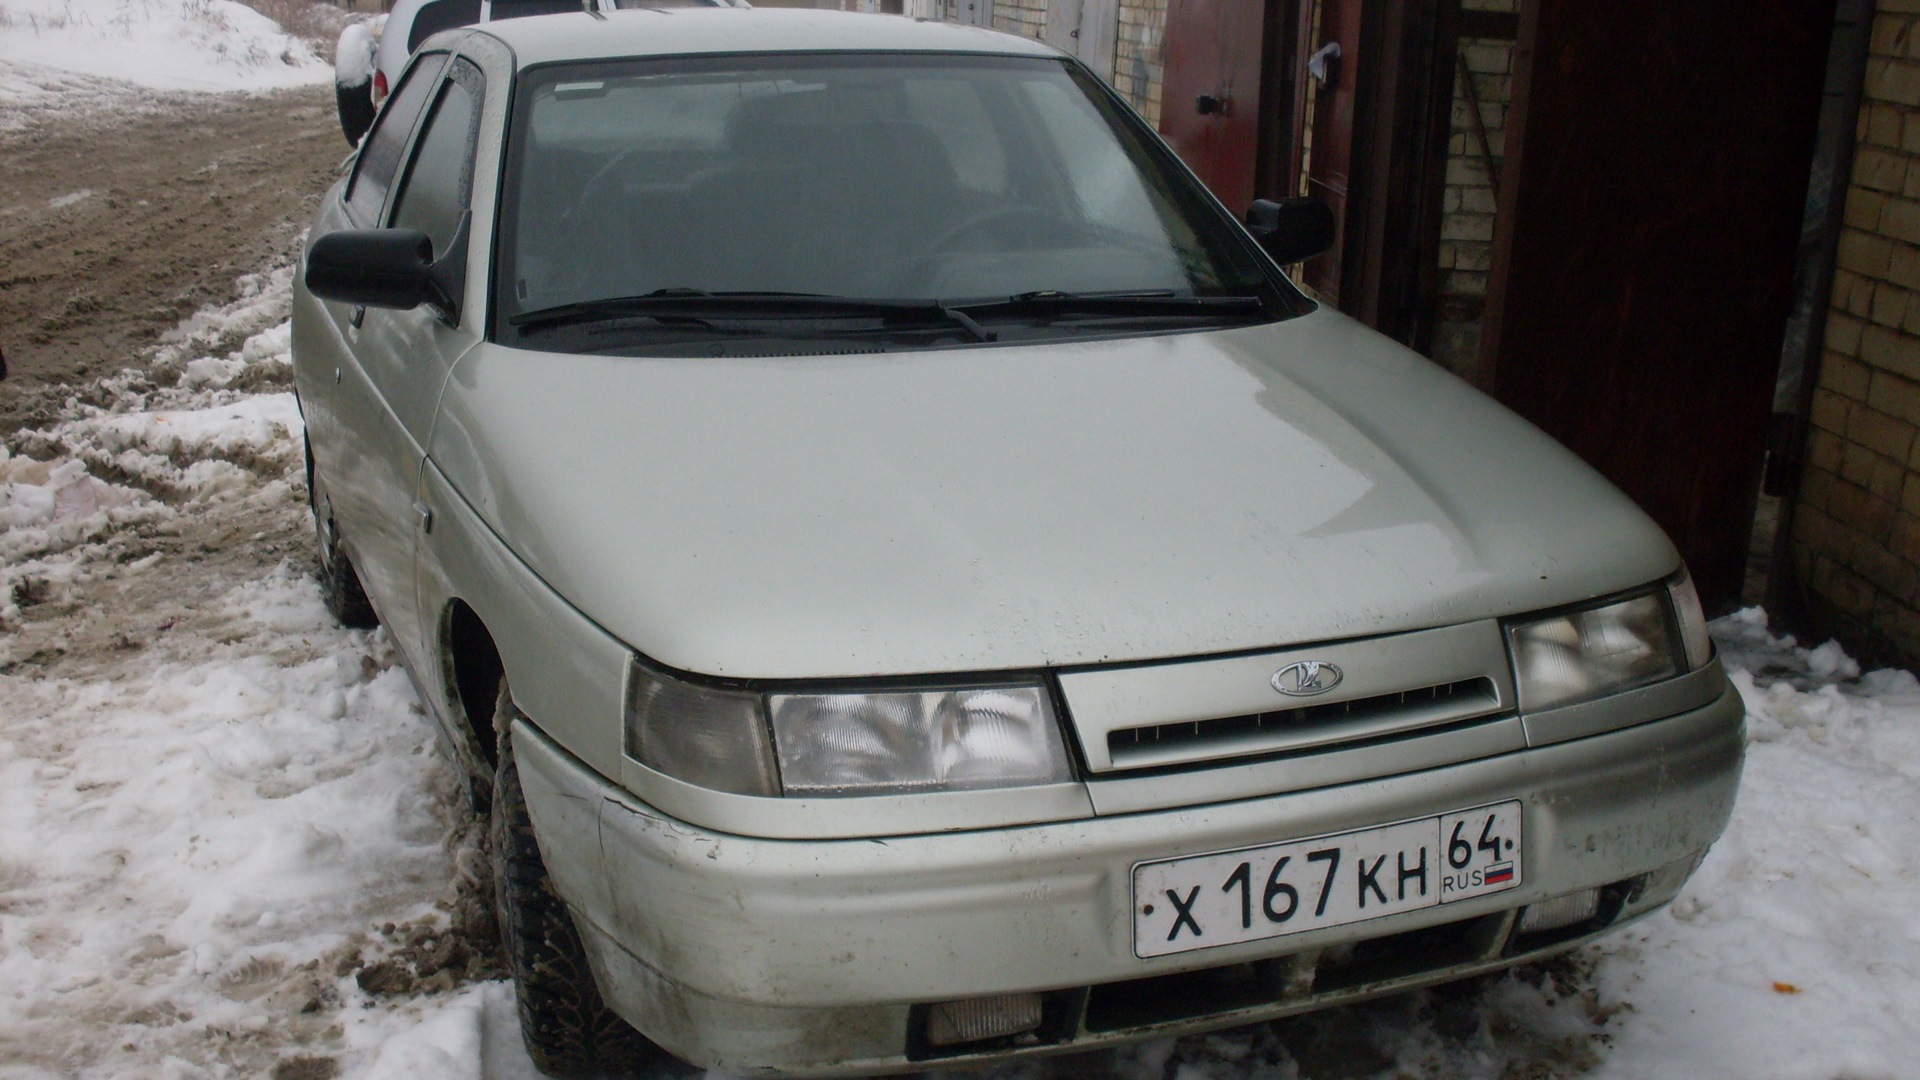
(656, 205)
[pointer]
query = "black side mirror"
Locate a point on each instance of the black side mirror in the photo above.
(390, 268)
(1292, 230)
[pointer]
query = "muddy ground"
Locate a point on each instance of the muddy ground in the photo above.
(117, 223)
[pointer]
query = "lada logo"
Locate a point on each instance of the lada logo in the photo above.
(1306, 678)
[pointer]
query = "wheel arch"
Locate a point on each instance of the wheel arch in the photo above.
(474, 670)
(495, 619)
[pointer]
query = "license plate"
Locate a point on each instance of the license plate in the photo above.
(1227, 897)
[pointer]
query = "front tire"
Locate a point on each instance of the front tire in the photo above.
(567, 1027)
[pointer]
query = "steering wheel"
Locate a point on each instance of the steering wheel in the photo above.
(917, 268)
(992, 215)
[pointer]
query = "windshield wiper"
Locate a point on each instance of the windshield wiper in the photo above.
(1051, 302)
(693, 305)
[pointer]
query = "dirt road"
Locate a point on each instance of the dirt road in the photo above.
(118, 223)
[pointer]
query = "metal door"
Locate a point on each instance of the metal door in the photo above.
(1086, 28)
(1211, 92)
(1652, 195)
(973, 12)
(1331, 61)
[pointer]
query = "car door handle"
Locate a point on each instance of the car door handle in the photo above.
(425, 513)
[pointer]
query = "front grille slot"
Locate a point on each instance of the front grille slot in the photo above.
(1304, 727)
(1295, 982)
(1161, 999)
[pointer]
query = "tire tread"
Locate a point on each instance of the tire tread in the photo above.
(568, 1029)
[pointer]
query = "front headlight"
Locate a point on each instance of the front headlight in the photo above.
(704, 735)
(827, 744)
(1581, 655)
(1693, 621)
(945, 740)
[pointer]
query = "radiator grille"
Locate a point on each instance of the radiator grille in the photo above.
(1305, 726)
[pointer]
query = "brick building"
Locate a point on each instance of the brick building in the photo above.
(1855, 525)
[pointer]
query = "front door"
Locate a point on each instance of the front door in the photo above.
(390, 389)
(1211, 92)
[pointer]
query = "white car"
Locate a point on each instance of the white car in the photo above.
(370, 53)
(914, 583)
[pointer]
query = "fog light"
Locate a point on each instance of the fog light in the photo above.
(953, 1022)
(1560, 911)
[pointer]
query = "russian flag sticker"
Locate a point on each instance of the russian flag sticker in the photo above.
(1498, 873)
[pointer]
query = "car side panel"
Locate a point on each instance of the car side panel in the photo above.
(385, 399)
(568, 675)
(321, 338)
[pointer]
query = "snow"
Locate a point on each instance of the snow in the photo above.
(1795, 951)
(207, 45)
(215, 835)
(353, 57)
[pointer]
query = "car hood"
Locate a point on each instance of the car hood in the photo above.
(1023, 507)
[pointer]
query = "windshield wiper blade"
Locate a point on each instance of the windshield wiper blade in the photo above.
(1050, 302)
(669, 304)
(695, 305)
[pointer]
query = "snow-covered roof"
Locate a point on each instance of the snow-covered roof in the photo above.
(711, 31)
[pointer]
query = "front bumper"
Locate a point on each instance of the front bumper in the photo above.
(755, 955)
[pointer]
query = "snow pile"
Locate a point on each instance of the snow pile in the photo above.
(200, 852)
(196, 453)
(354, 55)
(158, 44)
(117, 471)
(262, 303)
(47, 508)
(234, 846)
(1795, 951)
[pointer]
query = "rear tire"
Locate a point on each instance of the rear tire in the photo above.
(340, 586)
(567, 1027)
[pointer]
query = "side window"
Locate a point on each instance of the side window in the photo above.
(380, 154)
(442, 15)
(440, 179)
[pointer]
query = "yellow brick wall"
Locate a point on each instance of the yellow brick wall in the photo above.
(1027, 18)
(1466, 229)
(1856, 527)
(1137, 55)
(1139, 39)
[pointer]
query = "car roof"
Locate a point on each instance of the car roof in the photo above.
(694, 31)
